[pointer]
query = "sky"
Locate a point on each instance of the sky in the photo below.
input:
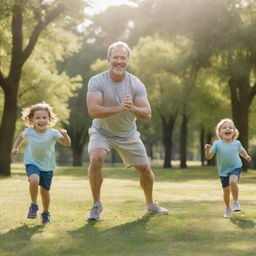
(100, 5)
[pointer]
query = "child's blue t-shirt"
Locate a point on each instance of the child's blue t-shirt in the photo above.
(40, 148)
(227, 154)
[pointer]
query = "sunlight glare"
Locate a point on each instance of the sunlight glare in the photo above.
(100, 5)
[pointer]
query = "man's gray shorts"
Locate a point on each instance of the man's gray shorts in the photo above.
(131, 150)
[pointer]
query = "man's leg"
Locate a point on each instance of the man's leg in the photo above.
(97, 157)
(146, 181)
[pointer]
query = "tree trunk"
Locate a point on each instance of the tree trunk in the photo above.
(149, 149)
(183, 141)
(241, 98)
(77, 159)
(113, 157)
(77, 149)
(202, 134)
(10, 84)
(167, 139)
(7, 128)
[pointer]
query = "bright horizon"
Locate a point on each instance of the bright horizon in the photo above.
(100, 5)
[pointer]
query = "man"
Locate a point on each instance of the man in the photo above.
(115, 99)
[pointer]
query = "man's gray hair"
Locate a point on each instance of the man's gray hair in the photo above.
(119, 44)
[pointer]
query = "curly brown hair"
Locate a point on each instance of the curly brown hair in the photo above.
(28, 114)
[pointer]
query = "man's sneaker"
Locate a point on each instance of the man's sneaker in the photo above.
(236, 206)
(32, 211)
(154, 208)
(95, 211)
(45, 217)
(228, 212)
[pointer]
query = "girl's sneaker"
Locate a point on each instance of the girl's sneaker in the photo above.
(45, 216)
(32, 211)
(228, 212)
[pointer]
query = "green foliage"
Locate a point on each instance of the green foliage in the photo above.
(113, 24)
(40, 80)
(164, 87)
(99, 66)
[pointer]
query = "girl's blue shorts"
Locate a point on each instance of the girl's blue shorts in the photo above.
(44, 176)
(225, 180)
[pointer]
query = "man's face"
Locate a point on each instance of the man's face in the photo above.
(118, 60)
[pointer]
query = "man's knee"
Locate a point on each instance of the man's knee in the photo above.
(97, 159)
(143, 169)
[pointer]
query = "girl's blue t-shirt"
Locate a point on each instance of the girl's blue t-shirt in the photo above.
(227, 154)
(40, 148)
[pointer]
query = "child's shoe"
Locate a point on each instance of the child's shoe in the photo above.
(228, 212)
(45, 217)
(236, 206)
(32, 211)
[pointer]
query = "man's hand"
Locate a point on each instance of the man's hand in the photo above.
(127, 103)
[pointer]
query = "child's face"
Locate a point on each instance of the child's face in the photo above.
(227, 131)
(41, 120)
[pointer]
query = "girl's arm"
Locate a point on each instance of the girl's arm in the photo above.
(208, 154)
(65, 141)
(17, 144)
(245, 156)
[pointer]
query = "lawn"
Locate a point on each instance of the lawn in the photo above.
(194, 227)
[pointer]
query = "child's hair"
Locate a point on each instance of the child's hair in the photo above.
(28, 114)
(219, 125)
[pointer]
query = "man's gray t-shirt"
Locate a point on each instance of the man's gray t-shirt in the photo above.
(122, 124)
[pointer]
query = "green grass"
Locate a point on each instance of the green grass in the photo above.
(194, 227)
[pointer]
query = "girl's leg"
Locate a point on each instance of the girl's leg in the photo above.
(226, 196)
(33, 187)
(45, 194)
(234, 186)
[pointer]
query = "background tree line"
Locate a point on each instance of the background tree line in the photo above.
(197, 59)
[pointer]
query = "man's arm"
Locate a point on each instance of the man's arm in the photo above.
(140, 107)
(97, 110)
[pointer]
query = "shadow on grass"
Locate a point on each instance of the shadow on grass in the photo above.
(140, 225)
(118, 239)
(21, 236)
(243, 222)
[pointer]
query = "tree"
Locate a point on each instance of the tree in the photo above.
(163, 87)
(238, 55)
(35, 17)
